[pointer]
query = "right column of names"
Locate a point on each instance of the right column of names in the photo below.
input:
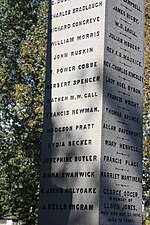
(121, 172)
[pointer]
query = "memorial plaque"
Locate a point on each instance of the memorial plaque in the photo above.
(91, 170)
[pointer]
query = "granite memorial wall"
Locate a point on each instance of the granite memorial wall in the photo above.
(91, 170)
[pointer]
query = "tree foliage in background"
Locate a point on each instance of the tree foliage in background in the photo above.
(23, 47)
(146, 114)
(23, 44)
